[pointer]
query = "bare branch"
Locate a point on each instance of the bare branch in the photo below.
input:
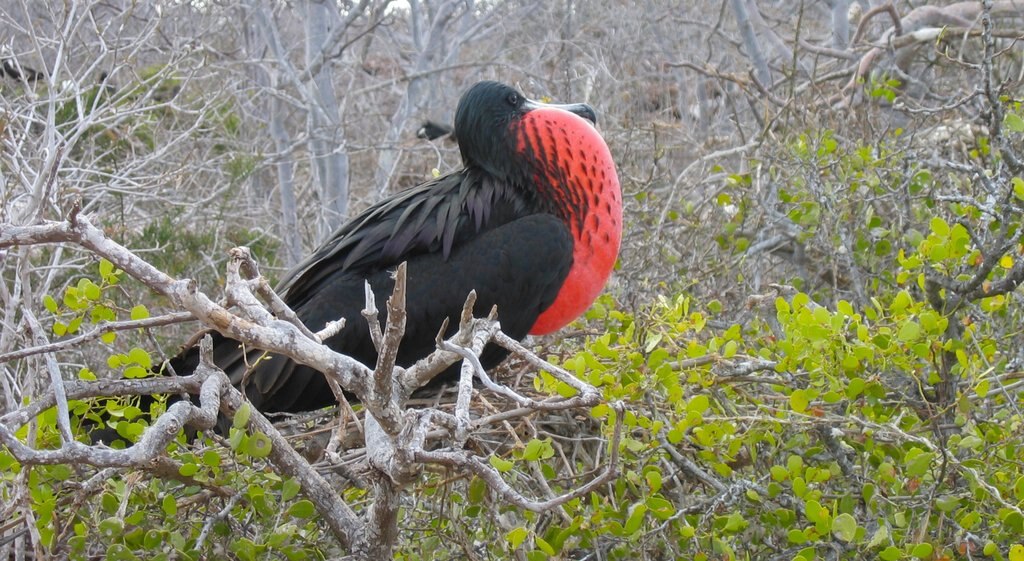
(98, 331)
(279, 337)
(464, 461)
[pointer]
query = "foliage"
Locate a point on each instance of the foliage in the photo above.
(814, 328)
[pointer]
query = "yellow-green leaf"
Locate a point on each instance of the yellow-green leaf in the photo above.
(500, 464)
(516, 536)
(301, 509)
(1018, 187)
(92, 291)
(1014, 122)
(169, 505)
(844, 527)
(798, 401)
(909, 331)
(259, 445)
(922, 551)
(134, 372)
(880, 536)
(140, 357)
(982, 388)
(940, 227)
(50, 304)
(242, 415)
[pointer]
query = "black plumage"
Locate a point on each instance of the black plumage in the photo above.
(432, 130)
(487, 227)
(15, 71)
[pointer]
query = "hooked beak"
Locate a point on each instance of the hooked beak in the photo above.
(581, 109)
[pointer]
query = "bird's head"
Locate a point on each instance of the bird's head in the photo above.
(487, 120)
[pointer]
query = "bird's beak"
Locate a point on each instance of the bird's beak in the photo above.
(581, 109)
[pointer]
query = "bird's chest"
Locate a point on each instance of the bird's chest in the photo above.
(594, 216)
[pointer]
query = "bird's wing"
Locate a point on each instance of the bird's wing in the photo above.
(430, 218)
(518, 267)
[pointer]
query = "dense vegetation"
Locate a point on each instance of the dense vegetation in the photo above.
(811, 343)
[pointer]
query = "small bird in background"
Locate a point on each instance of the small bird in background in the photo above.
(431, 130)
(10, 68)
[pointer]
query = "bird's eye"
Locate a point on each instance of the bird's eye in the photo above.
(513, 99)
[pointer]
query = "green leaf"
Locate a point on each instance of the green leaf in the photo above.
(188, 469)
(636, 518)
(169, 505)
(844, 527)
(246, 549)
(909, 331)
(477, 491)
(1016, 552)
(500, 464)
(537, 449)
(71, 298)
(1018, 187)
(798, 400)
(139, 312)
(516, 536)
(74, 324)
(815, 512)
(50, 304)
(290, 488)
(891, 553)
(140, 357)
(545, 546)
(660, 508)
(108, 337)
(880, 536)
(698, 404)
(922, 551)
(653, 477)
(212, 459)
(111, 527)
(940, 227)
(259, 445)
(106, 268)
(302, 509)
(92, 291)
(1013, 122)
(135, 372)
(242, 416)
(917, 462)
(947, 503)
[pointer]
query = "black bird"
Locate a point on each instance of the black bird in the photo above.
(532, 223)
(10, 68)
(431, 130)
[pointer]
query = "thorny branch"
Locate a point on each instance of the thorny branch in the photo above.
(395, 447)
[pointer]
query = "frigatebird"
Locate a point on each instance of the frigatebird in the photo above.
(432, 130)
(532, 222)
(17, 72)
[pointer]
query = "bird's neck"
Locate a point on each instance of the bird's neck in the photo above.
(572, 172)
